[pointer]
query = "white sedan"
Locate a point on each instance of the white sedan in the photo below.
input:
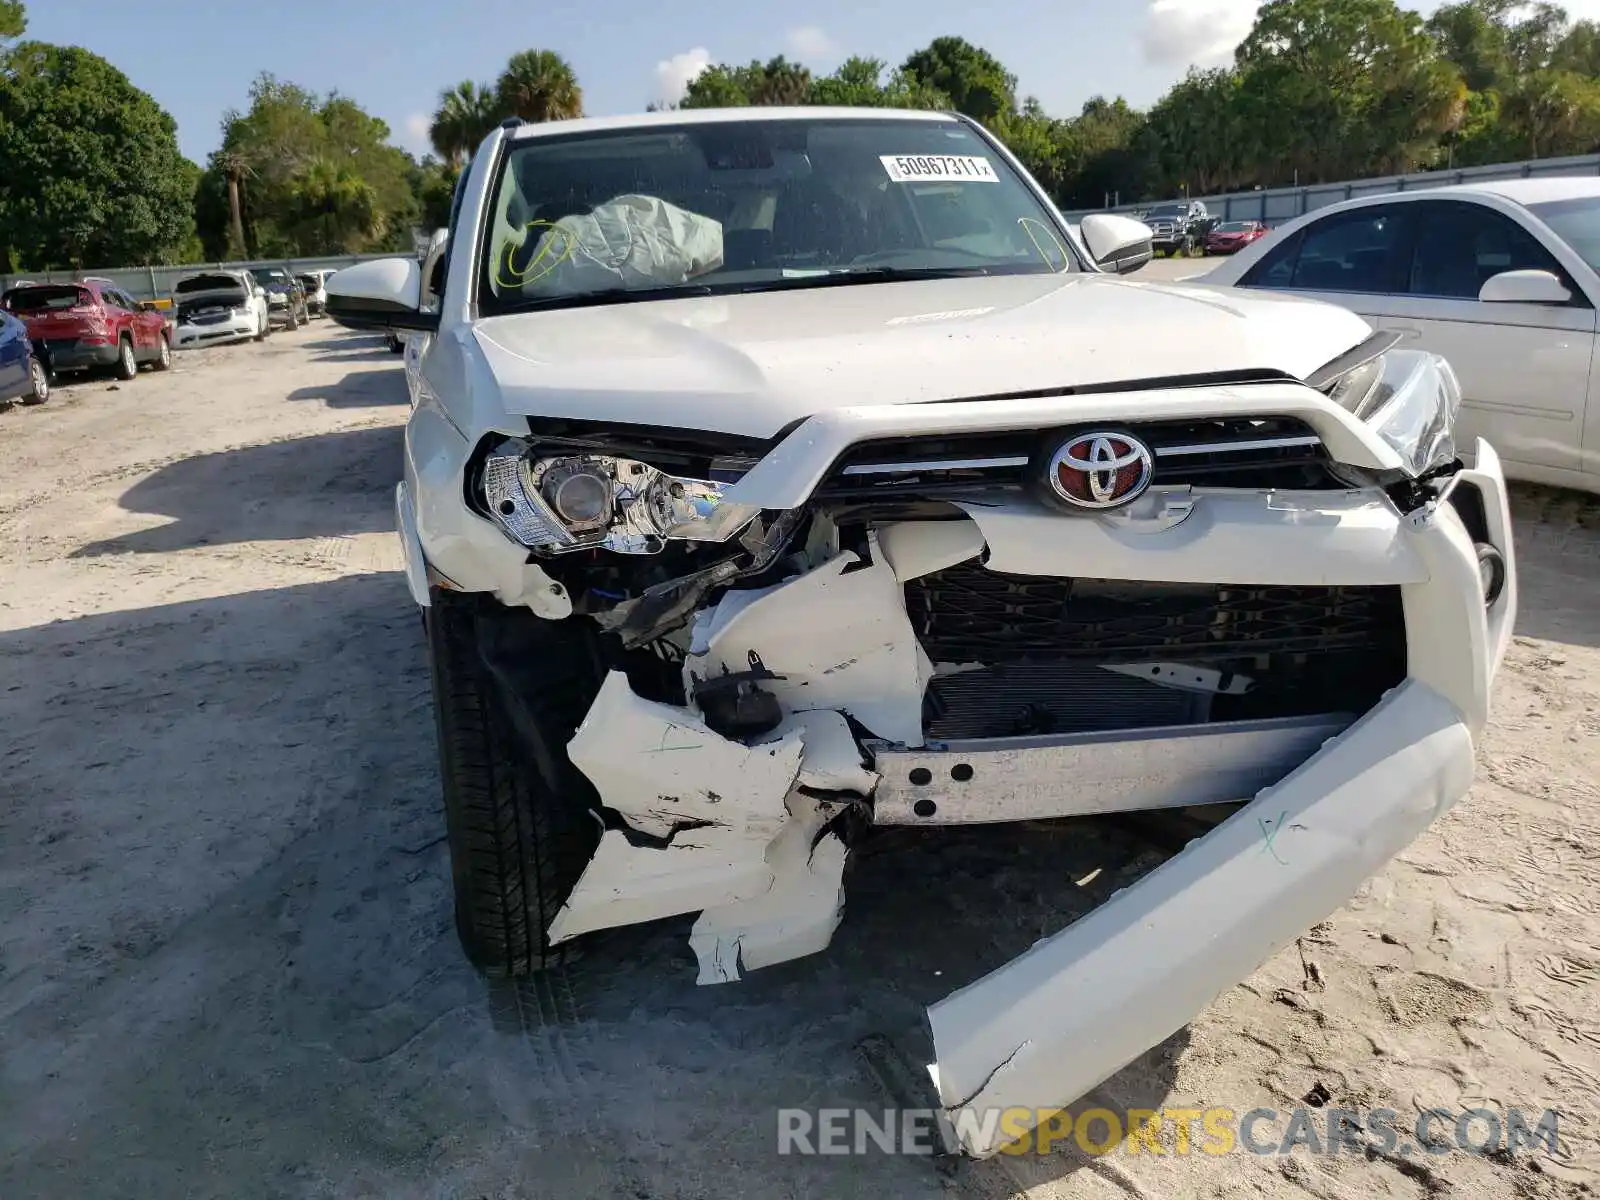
(1502, 279)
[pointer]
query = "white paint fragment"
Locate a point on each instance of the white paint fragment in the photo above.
(796, 917)
(660, 766)
(832, 759)
(840, 640)
(625, 884)
(917, 548)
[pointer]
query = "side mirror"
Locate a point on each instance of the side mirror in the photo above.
(1524, 287)
(384, 294)
(1116, 243)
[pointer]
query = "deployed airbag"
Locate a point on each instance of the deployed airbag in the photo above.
(629, 242)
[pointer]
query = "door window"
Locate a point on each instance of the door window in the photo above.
(1459, 246)
(1359, 251)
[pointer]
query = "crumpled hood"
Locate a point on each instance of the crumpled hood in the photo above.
(754, 364)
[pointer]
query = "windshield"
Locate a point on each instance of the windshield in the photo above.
(1236, 227)
(43, 298)
(755, 206)
(1577, 223)
(1168, 210)
(270, 275)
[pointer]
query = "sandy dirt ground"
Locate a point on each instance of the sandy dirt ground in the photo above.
(227, 965)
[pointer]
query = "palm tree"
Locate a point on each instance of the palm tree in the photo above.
(466, 114)
(783, 82)
(539, 85)
(338, 208)
(235, 167)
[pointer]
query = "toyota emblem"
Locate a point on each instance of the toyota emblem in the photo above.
(1101, 470)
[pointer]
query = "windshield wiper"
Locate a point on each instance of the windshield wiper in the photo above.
(849, 275)
(832, 278)
(675, 291)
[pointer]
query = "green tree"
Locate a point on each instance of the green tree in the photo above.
(1556, 112)
(90, 172)
(539, 85)
(859, 83)
(977, 84)
(333, 208)
(293, 150)
(777, 81)
(721, 86)
(13, 19)
(434, 185)
(1345, 87)
(465, 116)
(1474, 36)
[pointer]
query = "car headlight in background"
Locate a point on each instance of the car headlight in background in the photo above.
(560, 503)
(1410, 398)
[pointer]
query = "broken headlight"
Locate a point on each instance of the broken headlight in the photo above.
(1410, 399)
(565, 502)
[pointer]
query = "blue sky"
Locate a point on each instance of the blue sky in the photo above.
(393, 56)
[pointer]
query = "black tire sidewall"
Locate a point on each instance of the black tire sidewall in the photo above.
(544, 833)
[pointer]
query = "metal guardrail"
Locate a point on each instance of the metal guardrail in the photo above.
(1277, 205)
(156, 283)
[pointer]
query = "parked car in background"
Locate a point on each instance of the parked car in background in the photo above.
(91, 324)
(1230, 237)
(286, 299)
(1178, 227)
(313, 283)
(1501, 278)
(22, 375)
(214, 307)
(862, 488)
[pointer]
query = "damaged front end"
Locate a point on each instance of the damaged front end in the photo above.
(889, 620)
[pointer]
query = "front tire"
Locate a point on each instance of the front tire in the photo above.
(164, 358)
(517, 812)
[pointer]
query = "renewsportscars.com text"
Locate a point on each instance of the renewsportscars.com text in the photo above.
(1178, 1131)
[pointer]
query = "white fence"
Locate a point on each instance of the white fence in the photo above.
(1276, 205)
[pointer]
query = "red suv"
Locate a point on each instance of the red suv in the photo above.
(91, 324)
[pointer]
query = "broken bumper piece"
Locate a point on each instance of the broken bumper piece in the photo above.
(715, 827)
(1045, 1028)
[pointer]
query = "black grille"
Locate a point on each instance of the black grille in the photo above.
(1222, 452)
(1019, 699)
(970, 614)
(1031, 652)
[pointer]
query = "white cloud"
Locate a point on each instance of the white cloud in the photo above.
(675, 74)
(416, 131)
(810, 42)
(1202, 33)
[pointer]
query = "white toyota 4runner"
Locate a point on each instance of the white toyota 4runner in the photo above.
(775, 473)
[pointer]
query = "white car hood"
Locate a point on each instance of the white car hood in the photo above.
(754, 364)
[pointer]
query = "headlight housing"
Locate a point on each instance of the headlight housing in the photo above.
(1410, 399)
(559, 503)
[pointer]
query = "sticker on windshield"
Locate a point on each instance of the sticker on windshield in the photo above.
(939, 168)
